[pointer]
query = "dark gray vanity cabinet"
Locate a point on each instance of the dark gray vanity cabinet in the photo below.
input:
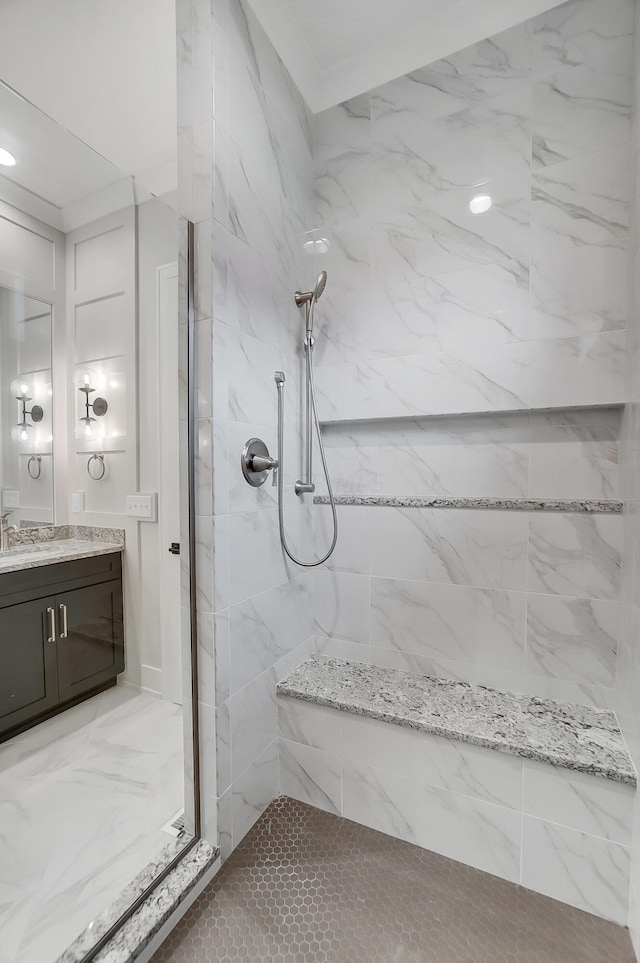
(61, 637)
(28, 668)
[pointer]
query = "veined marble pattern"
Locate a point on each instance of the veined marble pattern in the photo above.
(578, 291)
(584, 871)
(487, 69)
(575, 555)
(484, 549)
(571, 638)
(581, 201)
(441, 234)
(580, 30)
(84, 797)
(456, 152)
(483, 305)
(450, 621)
(578, 109)
(569, 737)
(546, 456)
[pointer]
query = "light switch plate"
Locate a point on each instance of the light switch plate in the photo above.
(10, 499)
(77, 502)
(143, 506)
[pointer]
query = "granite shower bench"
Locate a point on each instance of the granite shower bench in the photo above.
(525, 788)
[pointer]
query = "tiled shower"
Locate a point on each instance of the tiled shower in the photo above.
(460, 356)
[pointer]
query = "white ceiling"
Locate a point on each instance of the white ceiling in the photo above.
(52, 164)
(337, 49)
(104, 69)
(57, 178)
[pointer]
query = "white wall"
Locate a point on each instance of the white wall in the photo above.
(113, 329)
(157, 245)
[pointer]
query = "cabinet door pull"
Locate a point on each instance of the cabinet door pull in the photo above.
(65, 628)
(52, 624)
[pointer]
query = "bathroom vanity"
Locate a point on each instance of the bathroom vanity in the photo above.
(61, 627)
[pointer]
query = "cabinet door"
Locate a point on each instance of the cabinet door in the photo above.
(28, 678)
(90, 638)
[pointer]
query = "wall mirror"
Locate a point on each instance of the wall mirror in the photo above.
(26, 409)
(94, 714)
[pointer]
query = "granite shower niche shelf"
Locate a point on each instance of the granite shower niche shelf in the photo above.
(591, 506)
(61, 632)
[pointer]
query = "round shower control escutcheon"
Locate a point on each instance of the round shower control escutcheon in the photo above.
(256, 462)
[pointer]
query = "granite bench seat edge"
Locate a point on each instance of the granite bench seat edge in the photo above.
(565, 736)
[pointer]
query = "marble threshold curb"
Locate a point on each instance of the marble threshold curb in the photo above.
(592, 505)
(138, 931)
(567, 736)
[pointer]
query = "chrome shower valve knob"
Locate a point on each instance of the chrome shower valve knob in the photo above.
(256, 462)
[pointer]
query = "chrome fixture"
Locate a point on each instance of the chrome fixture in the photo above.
(98, 472)
(309, 299)
(34, 467)
(5, 532)
(256, 463)
(21, 392)
(98, 406)
(302, 487)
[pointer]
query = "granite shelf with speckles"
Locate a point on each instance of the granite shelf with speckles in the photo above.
(567, 736)
(589, 505)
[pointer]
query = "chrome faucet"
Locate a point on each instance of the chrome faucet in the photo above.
(5, 532)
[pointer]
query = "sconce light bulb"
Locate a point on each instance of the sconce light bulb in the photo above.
(87, 380)
(23, 434)
(87, 430)
(24, 389)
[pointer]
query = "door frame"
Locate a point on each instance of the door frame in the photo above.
(168, 474)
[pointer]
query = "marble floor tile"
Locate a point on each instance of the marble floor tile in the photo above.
(83, 798)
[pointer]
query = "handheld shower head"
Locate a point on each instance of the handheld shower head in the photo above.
(321, 284)
(310, 297)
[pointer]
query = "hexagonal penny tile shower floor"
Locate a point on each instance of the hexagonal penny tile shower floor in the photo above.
(308, 887)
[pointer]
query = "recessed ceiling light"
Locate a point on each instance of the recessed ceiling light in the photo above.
(6, 158)
(318, 246)
(480, 204)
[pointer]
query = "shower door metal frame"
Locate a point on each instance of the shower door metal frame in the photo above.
(195, 719)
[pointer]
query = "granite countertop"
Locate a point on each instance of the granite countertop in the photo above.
(608, 505)
(568, 736)
(35, 547)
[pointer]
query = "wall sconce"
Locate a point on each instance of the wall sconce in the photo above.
(21, 391)
(84, 381)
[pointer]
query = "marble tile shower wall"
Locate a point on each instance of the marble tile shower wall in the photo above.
(432, 309)
(464, 341)
(246, 165)
(628, 679)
